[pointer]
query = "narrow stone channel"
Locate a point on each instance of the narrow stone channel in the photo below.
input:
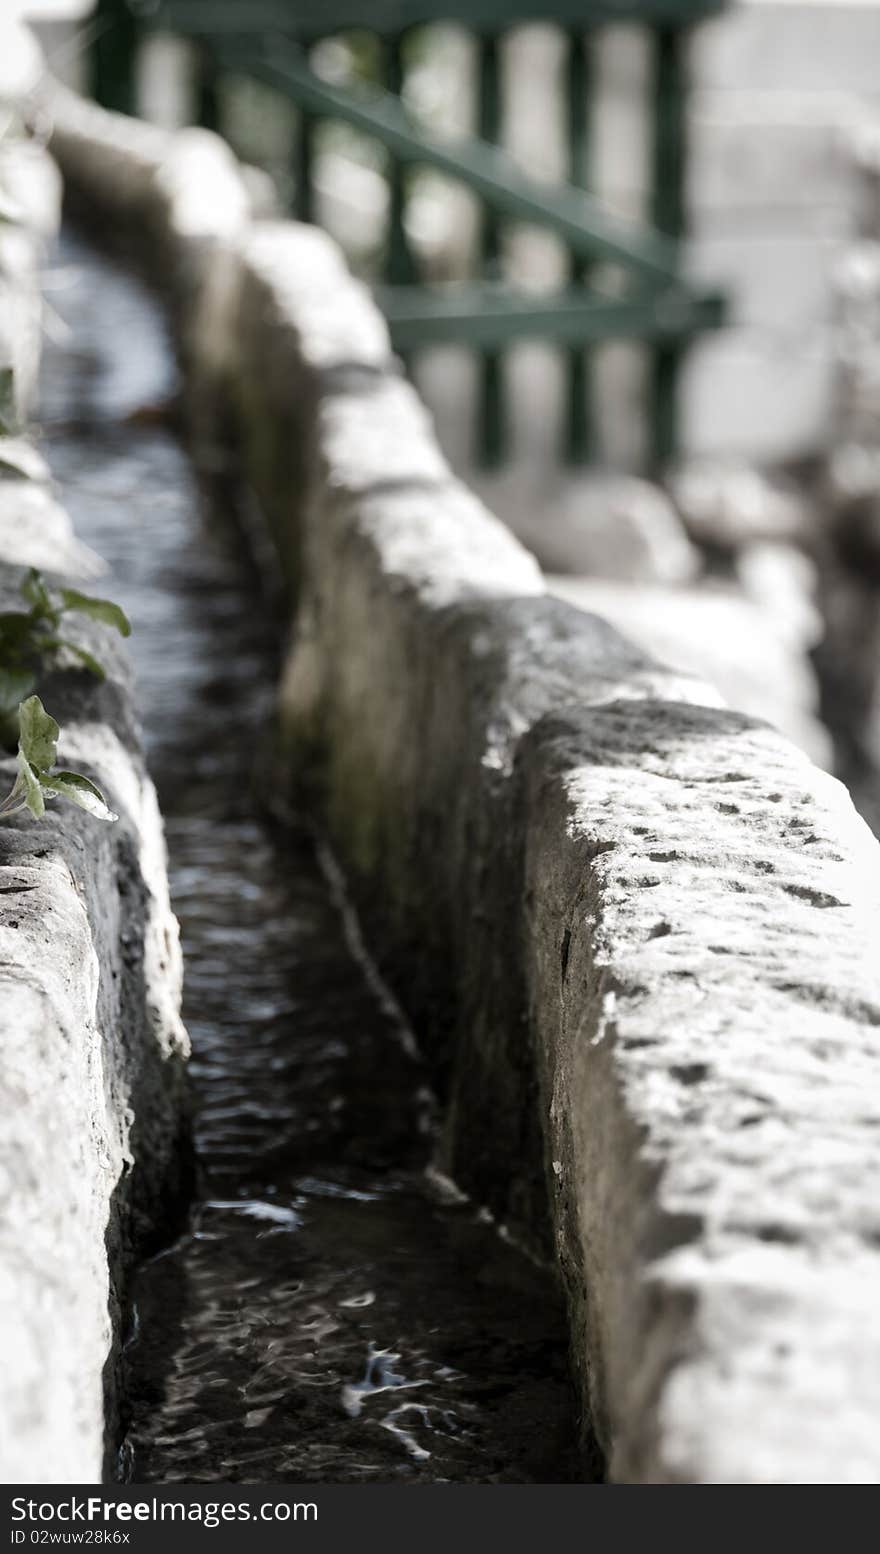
(327, 1312)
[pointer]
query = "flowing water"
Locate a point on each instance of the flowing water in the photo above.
(329, 1311)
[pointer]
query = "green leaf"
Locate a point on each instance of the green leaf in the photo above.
(15, 685)
(36, 594)
(98, 609)
(29, 783)
(38, 734)
(84, 655)
(15, 626)
(78, 789)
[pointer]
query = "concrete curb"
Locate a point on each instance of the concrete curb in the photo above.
(91, 1045)
(638, 931)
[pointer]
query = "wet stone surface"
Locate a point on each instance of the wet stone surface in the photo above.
(328, 1311)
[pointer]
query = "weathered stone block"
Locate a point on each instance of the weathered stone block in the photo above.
(701, 927)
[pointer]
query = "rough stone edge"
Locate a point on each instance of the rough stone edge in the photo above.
(91, 1044)
(502, 735)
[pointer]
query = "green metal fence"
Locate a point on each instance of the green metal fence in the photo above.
(270, 41)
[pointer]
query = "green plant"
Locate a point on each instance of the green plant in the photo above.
(29, 641)
(36, 781)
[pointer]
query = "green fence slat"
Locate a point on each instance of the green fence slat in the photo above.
(400, 267)
(579, 437)
(668, 214)
(304, 168)
(493, 409)
(489, 124)
(495, 316)
(207, 105)
(113, 56)
(386, 17)
(487, 170)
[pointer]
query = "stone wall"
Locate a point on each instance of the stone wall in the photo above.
(91, 1046)
(637, 931)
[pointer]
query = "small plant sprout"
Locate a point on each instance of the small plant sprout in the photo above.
(28, 640)
(31, 638)
(36, 781)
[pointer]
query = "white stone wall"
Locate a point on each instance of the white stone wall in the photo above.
(778, 87)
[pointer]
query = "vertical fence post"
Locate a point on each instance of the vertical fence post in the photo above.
(207, 98)
(579, 409)
(400, 268)
(668, 213)
(304, 168)
(114, 56)
(493, 428)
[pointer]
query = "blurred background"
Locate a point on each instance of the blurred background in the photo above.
(699, 457)
(779, 92)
